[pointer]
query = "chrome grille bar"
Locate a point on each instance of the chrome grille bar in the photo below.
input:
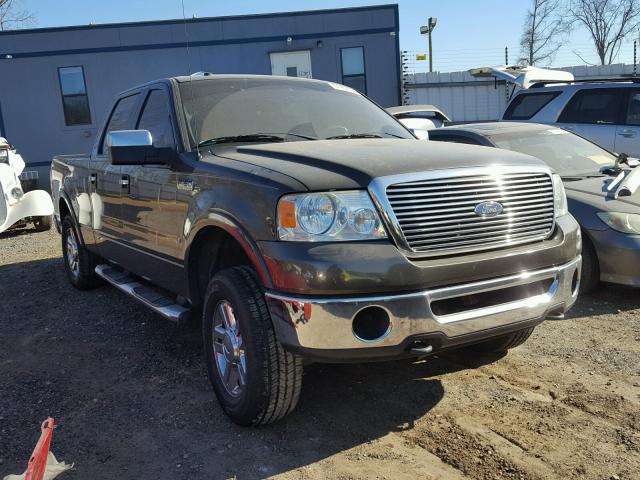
(437, 215)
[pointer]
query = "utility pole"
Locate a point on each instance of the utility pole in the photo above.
(428, 29)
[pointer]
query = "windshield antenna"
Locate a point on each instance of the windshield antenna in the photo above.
(190, 71)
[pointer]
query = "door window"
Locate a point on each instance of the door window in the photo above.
(594, 106)
(353, 68)
(156, 117)
(121, 116)
(633, 110)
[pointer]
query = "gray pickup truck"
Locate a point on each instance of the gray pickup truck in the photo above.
(296, 220)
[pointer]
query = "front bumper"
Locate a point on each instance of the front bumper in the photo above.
(431, 320)
(618, 256)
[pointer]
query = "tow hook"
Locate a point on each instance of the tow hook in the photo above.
(421, 349)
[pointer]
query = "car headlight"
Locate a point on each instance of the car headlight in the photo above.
(329, 217)
(622, 222)
(560, 205)
(17, 193)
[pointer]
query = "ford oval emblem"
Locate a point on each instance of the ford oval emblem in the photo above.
(488, 209)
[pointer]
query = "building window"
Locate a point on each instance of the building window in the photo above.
(75, 101)
(353, 71)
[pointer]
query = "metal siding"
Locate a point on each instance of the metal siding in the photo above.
(30, 96)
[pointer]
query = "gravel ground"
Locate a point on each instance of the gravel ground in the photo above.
(131, 399)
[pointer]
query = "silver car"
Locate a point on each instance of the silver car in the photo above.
(606, 204)
(607, 112)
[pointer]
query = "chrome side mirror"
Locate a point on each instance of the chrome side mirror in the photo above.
(132, 147)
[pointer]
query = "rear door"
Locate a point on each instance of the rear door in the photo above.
(595, 114)
(106, 183)
(628, 135)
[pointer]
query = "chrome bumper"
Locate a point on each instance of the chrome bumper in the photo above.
(312, 325)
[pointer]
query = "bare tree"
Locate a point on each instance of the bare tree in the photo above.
(12, 17)
(608, 22)
(544, 29)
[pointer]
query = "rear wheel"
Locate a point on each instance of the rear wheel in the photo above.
(42, 224)
(590, 277)
(79, 263)
(504, 342)
(255, 380)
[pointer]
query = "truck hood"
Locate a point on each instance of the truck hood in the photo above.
(354, 163)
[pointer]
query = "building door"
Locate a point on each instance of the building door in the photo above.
(291, 64)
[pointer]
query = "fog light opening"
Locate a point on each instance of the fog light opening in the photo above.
(371, 324)
(575, 282)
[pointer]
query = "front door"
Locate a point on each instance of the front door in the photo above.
(291, 64)
(149, 206)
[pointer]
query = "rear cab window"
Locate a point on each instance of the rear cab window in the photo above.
(526, 105)
(595, 106)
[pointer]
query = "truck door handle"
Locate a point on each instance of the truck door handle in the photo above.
(93, 179)
(627, 133)
(124, 183)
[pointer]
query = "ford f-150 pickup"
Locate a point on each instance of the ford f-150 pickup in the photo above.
(295, 220)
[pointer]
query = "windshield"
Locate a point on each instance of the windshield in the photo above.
(278, 106)
(566, 153)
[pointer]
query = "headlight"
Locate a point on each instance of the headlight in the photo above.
(622, 222)
(328, 217)
(17, 193)
(559, 197)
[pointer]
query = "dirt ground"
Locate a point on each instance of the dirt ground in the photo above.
(131, 399)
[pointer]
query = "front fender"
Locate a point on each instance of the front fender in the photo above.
(239, 233)
(36, 203)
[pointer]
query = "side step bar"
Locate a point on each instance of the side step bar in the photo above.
(144, 293)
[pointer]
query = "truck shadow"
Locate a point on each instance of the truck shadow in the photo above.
(130, 394)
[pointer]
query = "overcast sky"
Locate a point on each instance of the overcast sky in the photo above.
(469, 32)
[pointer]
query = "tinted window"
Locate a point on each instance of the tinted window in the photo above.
(75, 102)
(156, 117)
(353, 70)
(633, 110)
(526, 105)
(121, 116)
(601, 106)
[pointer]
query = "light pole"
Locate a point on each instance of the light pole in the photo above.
(427, 29)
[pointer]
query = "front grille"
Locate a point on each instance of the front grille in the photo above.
(439, 215)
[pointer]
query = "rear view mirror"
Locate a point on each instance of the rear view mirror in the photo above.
(134, 147)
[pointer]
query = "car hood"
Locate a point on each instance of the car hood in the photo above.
(354, 163)
(593, 191)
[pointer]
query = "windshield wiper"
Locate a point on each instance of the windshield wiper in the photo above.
(256, 137)
(355, 135)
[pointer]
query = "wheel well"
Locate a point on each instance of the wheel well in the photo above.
(212, 250)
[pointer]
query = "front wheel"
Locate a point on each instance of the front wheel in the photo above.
(503, 342)
(255, 380)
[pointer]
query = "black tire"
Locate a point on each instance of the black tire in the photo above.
(273, 376)
(590, 277)
(81, 274)
(42, 224)
(504, 342)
